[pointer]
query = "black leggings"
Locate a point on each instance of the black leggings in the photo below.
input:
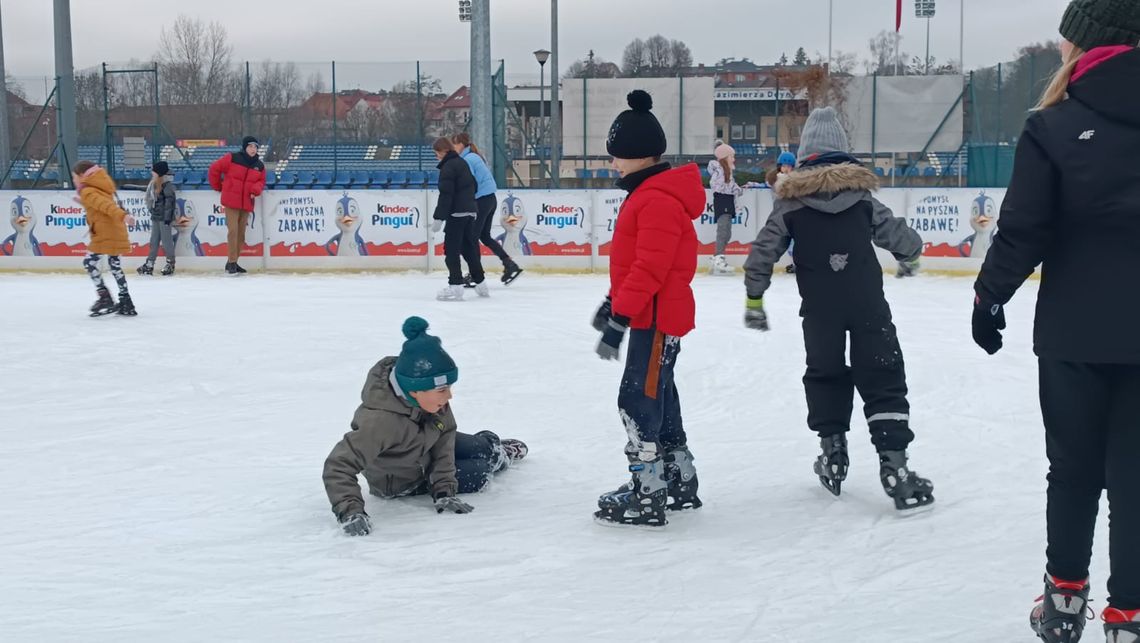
(459, 241)
(488, 205)
(1092, 438)
(91, 265)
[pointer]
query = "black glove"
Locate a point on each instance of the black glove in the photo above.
(602, 317)
(754, 315)
(610, 345)
(357, 524)
(988, 322)
(452, 504)
(907, 268)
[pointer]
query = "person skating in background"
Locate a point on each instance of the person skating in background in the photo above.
(785, 165)
(162, 202)
(826, 206)
(240, 177)
(1071, 208)
(456, 213)
(652, 263)
(487, 204)
(404, 437)
(725, 190)
(106, 222)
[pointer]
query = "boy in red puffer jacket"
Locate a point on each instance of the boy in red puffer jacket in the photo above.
(652, 263)
(240, 177)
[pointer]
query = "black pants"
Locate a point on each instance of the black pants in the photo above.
(1092, 438)
(876, 370)
(488, 205)
(459, 241)
(648, 401)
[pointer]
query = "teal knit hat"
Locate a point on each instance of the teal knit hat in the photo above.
(423, 365)
(1098, 23)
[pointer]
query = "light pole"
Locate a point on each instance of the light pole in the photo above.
(541, 56)
(925, 9)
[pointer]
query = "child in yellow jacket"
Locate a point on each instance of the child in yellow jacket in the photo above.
(106, 221)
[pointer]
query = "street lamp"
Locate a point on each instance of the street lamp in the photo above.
(541, 56)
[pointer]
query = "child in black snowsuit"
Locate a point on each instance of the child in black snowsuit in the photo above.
(826, 207)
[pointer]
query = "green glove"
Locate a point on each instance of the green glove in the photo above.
(754, 315)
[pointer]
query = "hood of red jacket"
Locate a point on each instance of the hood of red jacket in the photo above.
(683, 184)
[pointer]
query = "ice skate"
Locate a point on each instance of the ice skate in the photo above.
(831, 465)
(682, 480)
(1121, 626)
(640, 502)
(905, 487)
(468, 282)
(104, 305)
(147, 269)
(720, 267)
(126, 307)
(511, 271)
(231, 269)
(238, 269)
(1062, 611)
(482, 289)
(506, 452)
(451, 293)
(168, 269)
(515, 449)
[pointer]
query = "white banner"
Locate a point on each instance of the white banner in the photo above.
(339, 223)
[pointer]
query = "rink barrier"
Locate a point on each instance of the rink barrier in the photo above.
(355, 230)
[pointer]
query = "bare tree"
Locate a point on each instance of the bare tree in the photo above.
(196, 63)
(592, 67)
(634, 60)
(801, 58)
(659, 54)
(883, 48)
(682, 55)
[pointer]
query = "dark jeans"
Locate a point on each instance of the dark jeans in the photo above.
(648, 401)
(488, 205)
(876, 370)
(475, 464)
(459, 241)
(1092, 438)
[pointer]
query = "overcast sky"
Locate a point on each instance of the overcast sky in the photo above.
(399, 30)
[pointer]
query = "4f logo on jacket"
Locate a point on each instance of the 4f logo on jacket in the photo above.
(1087, 135)
(839, 262)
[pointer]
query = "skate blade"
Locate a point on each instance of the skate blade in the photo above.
(598, 520)
(507, 282)
(691, 505)
(833, 487)
(905, 510)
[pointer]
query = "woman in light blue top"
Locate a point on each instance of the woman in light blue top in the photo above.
(487, 204)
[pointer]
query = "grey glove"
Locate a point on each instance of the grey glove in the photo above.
(357, 524)
(907, 269)
(452, 504)
(754, 315)
(437, 226)
(609, 347)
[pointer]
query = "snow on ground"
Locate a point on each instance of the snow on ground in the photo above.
(160, 477)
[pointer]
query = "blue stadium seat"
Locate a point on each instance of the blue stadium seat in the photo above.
(930, 172)
(194, 178)
(343, 179)
(359, 179)
(286, 180)
(305, 180)
(378, 178)
(417, 179)
(397, 179)
(270, 180)
(879, 171)
(324, 180)
(433, 179)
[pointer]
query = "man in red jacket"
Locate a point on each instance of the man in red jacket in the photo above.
(240, 177)
(652, 263)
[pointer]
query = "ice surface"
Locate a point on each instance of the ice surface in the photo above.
(160, 476)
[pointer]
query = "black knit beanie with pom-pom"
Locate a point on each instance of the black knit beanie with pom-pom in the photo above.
(636, 133)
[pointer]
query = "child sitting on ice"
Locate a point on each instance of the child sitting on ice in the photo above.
(404, 437)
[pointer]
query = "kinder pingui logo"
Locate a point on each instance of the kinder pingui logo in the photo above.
(396, 216)
(561, 216)
(66, 216)
(741, 217)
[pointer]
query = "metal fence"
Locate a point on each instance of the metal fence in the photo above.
(357, 116)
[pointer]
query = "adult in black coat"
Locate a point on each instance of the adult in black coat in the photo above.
(455, 213)
(1073, 207)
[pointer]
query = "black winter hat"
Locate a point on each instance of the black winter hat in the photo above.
(161, 168)
(249, 139)
(1097, 23)
(636, 133)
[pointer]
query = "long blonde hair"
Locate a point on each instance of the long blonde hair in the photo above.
(1059, 85)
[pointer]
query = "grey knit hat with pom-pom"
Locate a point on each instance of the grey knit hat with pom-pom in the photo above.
(636, 133)
(423, 365)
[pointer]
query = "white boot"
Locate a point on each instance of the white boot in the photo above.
(721, 267)
(451, 293)
(482, 289)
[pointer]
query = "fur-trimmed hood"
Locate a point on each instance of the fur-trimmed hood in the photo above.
(828, 188)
